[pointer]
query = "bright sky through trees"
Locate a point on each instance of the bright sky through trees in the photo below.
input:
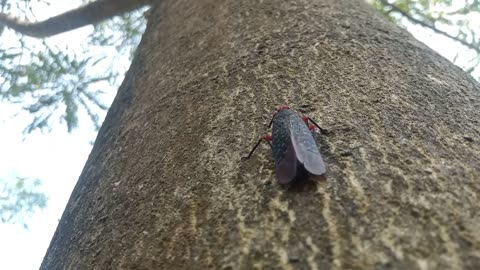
(57, 157)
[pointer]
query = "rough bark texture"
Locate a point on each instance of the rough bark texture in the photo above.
(164, 187)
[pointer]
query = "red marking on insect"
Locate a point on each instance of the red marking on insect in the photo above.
(294, 147)
(267, 137)
(305, 119)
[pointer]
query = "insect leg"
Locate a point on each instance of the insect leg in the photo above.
(322, 130)
(267, 138)
(271, 122)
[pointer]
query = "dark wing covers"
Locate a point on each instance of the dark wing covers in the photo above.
(292, 142)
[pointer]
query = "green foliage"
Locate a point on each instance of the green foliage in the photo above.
(122, 32)
(20, 200)
(55, 84)
(50, 81)
(457, 20)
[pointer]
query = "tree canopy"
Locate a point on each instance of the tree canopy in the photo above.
(53, 82)
(20, 199)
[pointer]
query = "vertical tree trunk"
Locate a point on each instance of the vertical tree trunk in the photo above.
(164, 187)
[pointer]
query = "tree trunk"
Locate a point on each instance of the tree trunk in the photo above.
(164, 187)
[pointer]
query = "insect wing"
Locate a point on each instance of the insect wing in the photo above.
(283, 150)
(286, 168)
(305, 147)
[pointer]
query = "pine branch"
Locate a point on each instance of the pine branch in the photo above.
(91, 13)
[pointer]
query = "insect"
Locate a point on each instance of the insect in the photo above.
(294, 148)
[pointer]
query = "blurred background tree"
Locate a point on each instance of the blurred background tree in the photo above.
(457, 20)
(51, 83)
(19, 198)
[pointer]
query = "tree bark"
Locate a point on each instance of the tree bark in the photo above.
(164, 187)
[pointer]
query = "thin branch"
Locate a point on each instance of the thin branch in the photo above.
(91, 13)
(427, 25)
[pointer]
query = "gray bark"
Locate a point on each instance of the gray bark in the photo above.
(164, 187)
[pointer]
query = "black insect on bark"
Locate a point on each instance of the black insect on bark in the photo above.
(294, 148)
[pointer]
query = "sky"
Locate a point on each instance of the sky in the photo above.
(57, 157)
